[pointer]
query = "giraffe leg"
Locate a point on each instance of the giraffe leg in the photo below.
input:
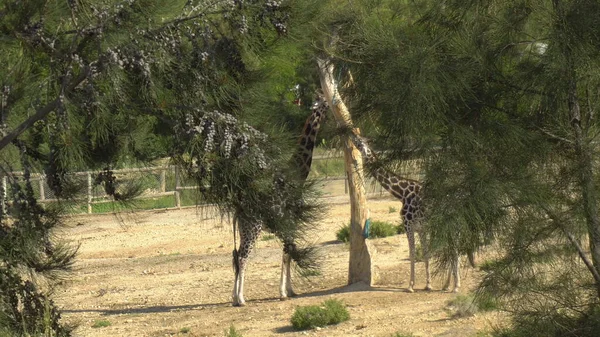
(446, 286)
(456, 272)
(425, 248)
(285, 286)
(288, 285)
(412, 255)
(248, 235)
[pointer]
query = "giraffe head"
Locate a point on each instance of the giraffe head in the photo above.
(362, 145)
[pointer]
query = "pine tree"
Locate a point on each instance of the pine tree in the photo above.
(497, 101)
(94, 84)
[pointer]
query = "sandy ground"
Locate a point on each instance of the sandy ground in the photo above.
(169, 273)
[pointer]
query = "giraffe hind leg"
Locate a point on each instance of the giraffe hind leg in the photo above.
(285, 287)
(248, 235)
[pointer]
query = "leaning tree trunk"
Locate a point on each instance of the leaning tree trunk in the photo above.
(360, 268)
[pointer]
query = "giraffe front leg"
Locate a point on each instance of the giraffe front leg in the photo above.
(288, 285)
(285, 286)
(456, 272)
(446, 286)
(425, 248)
(238, 284)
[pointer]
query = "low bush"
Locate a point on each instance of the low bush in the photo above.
(468, 305)
(232, 332)
(378, 229)
(313, 316)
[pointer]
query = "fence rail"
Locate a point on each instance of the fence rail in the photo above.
(162, 181)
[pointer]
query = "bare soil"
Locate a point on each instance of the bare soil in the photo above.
(169, 273)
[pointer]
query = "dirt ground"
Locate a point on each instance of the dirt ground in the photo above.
(169, 273)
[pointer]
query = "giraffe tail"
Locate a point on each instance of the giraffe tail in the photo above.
(306, 259)
(235, 253)
(471, 257)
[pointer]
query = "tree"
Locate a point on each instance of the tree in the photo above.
(87, 85)
(497, 101)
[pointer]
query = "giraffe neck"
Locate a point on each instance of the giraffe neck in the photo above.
(306, 143)
(400, 187)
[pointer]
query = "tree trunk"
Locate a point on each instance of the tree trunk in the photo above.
(360, 268)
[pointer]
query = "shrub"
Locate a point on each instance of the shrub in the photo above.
(378, 229)
(232, 332)
(101, 323)
(468, 305)
(312, 316)
(392, 209)
(343, 234)
(403, 334)
(268, 237)
(382, 229)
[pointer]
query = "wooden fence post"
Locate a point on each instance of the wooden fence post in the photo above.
(177, 196)
(3, 196)
(89, 193)
(163, 180)
(41, 184)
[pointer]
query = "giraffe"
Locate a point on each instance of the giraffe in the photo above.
(250, 228)
(410, 192)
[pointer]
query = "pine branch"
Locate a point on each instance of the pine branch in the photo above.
(42, 112)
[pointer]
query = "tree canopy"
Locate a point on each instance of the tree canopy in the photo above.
(99, 84)
(497, 101)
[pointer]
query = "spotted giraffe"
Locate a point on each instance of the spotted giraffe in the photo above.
(410, 193)
(249, 228)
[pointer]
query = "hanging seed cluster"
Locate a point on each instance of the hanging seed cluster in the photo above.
(223, 135)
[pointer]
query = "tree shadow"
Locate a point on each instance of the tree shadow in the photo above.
(166, 308)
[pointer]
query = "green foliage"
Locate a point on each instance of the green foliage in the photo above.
(343, 234)
(392, 209)
(403, 334)
(267, 237)
(185, 330)
(309, 317)
(495, 101)
(232, 332)
(378, 229)
(101, 323)
(468, 305)
(382, 229)
(555, 324)
(105, 84)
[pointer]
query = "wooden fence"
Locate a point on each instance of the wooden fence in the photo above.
(158, 181)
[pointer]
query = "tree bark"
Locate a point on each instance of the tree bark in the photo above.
(360, 268)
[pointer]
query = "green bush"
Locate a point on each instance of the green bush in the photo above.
(101, 323)
(343, 234)
(312, 316)
(403, 334)
(468, 305)
(232, 332)
(378, 229)
(382, 229)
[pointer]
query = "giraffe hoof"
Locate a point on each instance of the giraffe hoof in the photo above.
(284, 298)
(428, 288)
(410, 290)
